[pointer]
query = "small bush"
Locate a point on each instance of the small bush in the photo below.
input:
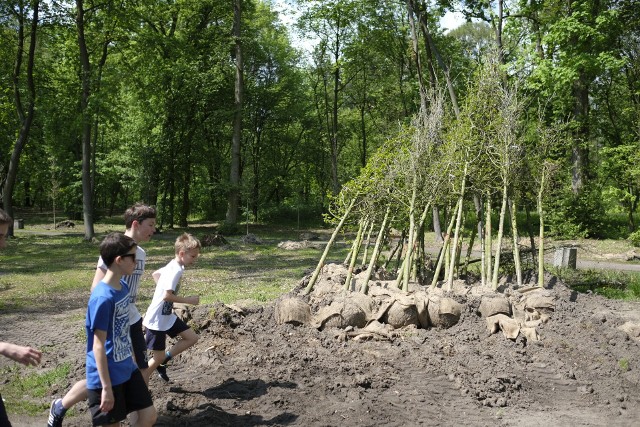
(634, 238)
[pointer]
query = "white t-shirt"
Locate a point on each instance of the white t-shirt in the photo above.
(133, 281)
(160, 316)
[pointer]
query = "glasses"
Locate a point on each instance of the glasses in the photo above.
(132, 256)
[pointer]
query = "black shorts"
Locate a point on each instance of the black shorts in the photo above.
(157, 340)
(138, 344)
(129, 396)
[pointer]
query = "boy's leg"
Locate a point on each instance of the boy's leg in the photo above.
(145, 417)
(156, 342)
(59, 407)
(139, 346)
(76, 394)
(138, 401)
(117, 414)
(187, 339)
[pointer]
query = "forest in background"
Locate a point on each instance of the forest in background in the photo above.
(207, 110)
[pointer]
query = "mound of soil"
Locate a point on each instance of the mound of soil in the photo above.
(248, 369)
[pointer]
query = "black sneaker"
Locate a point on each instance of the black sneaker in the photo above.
(162, 372)
(54, 419)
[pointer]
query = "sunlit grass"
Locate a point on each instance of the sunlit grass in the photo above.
(611, 284)
(26, 387)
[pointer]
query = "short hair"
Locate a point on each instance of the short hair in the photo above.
(185, 242)
(138, 212)
(114, 245)
(5, 218)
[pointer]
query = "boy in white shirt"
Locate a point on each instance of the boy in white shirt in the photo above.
(160, 320)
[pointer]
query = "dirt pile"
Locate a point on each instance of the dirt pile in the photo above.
(265, 366)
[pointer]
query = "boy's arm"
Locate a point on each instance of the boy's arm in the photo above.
(169, 296)
(156, 276)
(99, 352)
(25, 355)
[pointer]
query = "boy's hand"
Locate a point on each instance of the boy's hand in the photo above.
(193, 300)
(107, 400)
(25, 355)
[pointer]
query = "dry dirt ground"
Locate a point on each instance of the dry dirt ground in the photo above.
(249, 370)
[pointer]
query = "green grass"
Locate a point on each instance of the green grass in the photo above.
(26, 388)
(40, 266)
(611, 284)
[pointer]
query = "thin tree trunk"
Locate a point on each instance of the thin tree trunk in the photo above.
(443, 251)
(488, 248)
(477, 201)
(516, 248)
(376, 250)
(456, 236)
(366, 246)
(503, 211)
(541, 232)
(316, 273)
(354, 251)
(233, 200)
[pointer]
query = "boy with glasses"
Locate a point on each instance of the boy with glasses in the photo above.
(115, 386)
(140, 224)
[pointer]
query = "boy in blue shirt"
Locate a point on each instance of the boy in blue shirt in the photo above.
(140, 223)
(114, 382)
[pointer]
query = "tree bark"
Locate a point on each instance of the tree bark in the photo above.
(233, 200)
(87, 190)
(25, 117)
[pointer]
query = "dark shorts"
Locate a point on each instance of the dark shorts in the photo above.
(130, 396)
(4, 418)
(139, 345)
(157, 340)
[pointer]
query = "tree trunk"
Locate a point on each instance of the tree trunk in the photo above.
(541, 232)
(488, 248)
(366, 246)
(26, 117)
(376, 250)
(316, 273)
(233, 200)
(516, 248)
(503, 211)
(443, 251)
(354, 251)
(454, 247)
(477, 201)
(87, 191)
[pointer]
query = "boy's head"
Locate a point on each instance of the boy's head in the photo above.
(5, 220)
(187, 248)
(116, 245)
(140, 221)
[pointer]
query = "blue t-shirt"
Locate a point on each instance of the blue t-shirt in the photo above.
(108, 310)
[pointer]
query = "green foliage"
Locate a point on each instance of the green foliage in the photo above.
(634, 238)
(581, 215)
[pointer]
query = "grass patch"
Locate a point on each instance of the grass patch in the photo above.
(26, 388)
(611, 284)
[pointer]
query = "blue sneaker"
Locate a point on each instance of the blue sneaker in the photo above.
(55, 420)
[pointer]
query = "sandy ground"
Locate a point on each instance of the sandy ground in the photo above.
(248, 370)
